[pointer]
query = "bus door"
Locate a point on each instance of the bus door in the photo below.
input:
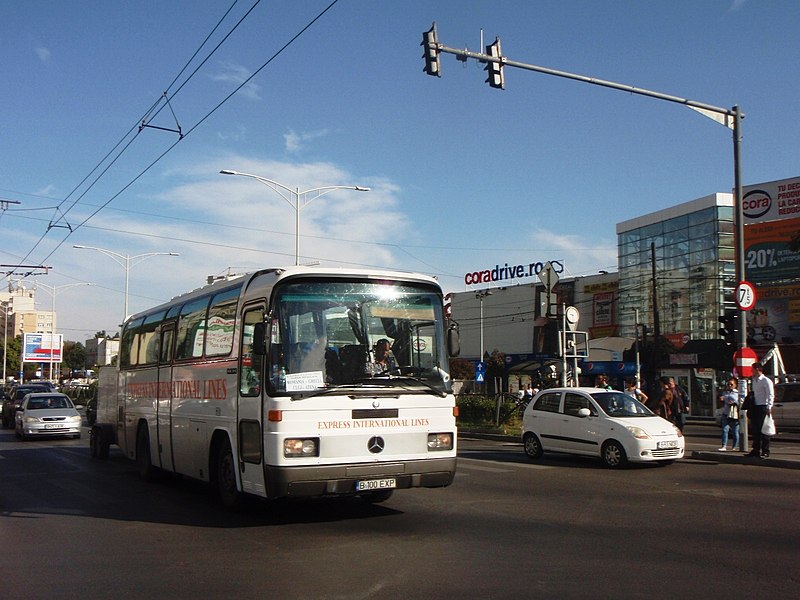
(250, 410)
(164, 397)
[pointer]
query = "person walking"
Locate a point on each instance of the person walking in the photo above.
(763, 399)
(730, 413)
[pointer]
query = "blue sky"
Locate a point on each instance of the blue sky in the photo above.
(463, 176)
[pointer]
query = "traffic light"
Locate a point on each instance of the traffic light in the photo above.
(728, 330)
(496, 79)
(430, 52)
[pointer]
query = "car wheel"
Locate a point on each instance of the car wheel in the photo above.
(532, 445)
(230, 496)
(377, 497)
(614, 455)
(143, 462)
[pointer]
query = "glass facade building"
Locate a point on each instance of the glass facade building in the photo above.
(690, 248)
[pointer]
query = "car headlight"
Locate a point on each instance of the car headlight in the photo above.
(440, 441)
(28, 419)
(299, 447)
(74, 419)
(638, 432)
(678, 432)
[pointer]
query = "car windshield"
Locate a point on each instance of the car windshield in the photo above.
(330, 334)
(49, 402)
(619, 404)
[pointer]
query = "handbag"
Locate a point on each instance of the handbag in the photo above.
(733, 411)
(768, 428)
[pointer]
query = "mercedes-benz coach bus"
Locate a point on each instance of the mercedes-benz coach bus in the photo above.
(288, 382)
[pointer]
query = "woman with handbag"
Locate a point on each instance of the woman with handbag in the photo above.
(730, 413)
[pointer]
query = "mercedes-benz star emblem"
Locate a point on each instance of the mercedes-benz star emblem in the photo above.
(376, 444)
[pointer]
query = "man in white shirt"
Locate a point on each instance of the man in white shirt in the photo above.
(763, 399)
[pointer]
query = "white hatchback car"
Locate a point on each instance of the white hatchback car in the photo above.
(595, 422)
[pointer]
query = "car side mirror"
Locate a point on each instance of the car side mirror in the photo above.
(584, 412)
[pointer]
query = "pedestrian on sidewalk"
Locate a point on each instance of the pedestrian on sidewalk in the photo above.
(763, 399)
(730, 413)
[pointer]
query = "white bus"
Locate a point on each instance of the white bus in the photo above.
(267, 384)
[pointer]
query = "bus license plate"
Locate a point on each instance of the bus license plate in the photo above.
(376, 484)
(669, 444)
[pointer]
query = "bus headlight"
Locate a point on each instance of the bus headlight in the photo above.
(299, 447)
(440, 441)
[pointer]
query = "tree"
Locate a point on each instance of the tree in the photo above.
(13, 348)
(101, 335)
(74, 356)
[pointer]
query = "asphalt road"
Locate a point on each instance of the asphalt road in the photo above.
(72, 527)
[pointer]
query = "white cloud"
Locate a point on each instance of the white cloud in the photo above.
(230, 72)
(737, 5)
(581, 255)
(43, 53)
(295, 141)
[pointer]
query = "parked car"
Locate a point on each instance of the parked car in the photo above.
(594, 422)
(14, 398)
(786, 410)
(47, 413)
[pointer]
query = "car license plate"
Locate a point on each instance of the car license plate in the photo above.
(54, 426)
(376, 484)
(668, 444)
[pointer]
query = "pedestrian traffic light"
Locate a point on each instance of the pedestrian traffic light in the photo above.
(431, 52)
(496, 79)
(728, 329)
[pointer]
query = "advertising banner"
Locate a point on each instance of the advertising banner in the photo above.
(767, 255)
(40, 347)
(771, 201)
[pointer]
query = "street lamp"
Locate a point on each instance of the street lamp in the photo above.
(279, 188)
(53, 289)
(127, 261)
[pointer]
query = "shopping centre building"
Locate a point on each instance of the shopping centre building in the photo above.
(676, 273)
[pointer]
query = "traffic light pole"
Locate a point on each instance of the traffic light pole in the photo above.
(729, 117)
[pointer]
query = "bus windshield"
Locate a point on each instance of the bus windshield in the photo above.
(360, 334)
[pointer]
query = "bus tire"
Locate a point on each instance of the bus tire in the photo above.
(143, 462)
(225, 478)
(99, 443)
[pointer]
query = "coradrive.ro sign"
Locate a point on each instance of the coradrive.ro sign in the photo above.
(510, 272)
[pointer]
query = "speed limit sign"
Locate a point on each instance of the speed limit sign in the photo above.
(745, 295)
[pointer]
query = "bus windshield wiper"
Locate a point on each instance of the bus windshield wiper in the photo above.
(391, 380)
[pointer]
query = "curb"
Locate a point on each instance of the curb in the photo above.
(719, 457)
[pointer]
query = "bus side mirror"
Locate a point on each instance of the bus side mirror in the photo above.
(453, 340)
(260, 339)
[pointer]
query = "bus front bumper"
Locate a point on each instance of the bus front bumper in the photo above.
(337, 480)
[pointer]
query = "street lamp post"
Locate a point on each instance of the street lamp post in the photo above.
(53, 289)
(127, 261)
(5, 338)
(279, 188)
(480, 296)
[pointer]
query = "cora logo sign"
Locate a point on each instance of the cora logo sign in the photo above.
(756, 203)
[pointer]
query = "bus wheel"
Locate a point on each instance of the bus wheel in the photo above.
(230, 496)
(143, 462)
(98, 443)
(377, 497)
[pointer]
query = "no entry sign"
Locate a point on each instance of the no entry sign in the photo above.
(743, 360)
